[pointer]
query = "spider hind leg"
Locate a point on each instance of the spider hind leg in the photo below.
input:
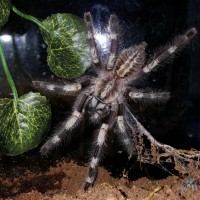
(123, 133)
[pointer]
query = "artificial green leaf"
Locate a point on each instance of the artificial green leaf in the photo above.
(5, 6)
(23, 123)
(68, 51)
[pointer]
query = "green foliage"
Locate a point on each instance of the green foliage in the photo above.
(23, 123)
(68, 51)
(25, 119)
(5, 6)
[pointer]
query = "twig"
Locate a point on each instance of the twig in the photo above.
(7, 73)
(153, 192)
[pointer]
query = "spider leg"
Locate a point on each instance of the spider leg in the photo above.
(136, 125)
(98, 150)
(170, 50)
(112, 29)
(57, 89)
(67, 125)
(149, 96)
(139, 128)
(90, 34)
(123, 133)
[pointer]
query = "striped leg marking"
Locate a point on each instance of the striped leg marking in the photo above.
(168, 51)
(112, 29)
(67, 125)
(90, 34)
(152, 96)
(56, 139)
(93, 167)
(123, 136)
(56, 89)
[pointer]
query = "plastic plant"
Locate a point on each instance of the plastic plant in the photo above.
(23, 120)
(68, 51)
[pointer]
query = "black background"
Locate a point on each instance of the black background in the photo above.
(153, 21)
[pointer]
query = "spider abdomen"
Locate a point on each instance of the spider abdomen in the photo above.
(130, 61)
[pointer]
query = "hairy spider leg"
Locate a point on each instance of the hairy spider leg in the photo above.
(91, 40)
(98, 149)
(58, 89)
(112, 29)
(123, 134)
(149, 96)
(67, 125)
(169, 50)
(137, 127)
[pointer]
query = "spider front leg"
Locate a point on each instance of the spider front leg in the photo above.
(112, 29)
(168, 51)
(98, 149)
(58, 90)
(67, 125)
(90, 34)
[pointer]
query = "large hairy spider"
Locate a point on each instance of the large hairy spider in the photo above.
(104, 95)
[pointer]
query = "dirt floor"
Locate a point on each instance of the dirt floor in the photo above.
(32, 177)
(61, 174)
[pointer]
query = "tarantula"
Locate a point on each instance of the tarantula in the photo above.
(104, 96)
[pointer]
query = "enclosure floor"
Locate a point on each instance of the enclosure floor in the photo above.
(63, 180)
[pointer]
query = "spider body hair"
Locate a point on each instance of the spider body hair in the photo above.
(104, 95)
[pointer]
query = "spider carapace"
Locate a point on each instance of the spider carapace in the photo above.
(105, 95)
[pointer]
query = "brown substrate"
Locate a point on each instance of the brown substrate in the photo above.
(40, 179)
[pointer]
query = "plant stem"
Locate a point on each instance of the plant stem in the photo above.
(30, 18)
(7, 73)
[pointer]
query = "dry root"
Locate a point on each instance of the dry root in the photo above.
(186, 161)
